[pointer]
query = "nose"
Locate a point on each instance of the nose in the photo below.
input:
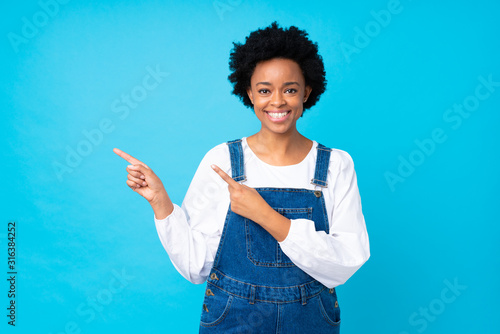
(277, 99)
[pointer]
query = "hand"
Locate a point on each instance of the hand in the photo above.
(248, 203)
(245, 201)
(144, 181)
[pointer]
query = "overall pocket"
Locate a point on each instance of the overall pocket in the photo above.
(262, 248)
(216, 306)
(329, 306)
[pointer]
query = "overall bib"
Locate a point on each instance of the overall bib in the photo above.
(253, 287)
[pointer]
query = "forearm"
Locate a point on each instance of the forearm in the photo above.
(162, 206)
(187, 248)
(331, 259)
(274, 223)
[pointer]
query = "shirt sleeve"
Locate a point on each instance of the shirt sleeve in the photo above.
(334, 257)
(191, 233)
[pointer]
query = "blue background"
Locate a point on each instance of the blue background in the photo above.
(77, 227)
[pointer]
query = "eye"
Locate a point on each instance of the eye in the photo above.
(263, 91)
(291, 91)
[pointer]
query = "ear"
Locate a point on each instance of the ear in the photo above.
(250, 94)
(307, 92)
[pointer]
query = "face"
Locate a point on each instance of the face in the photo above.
(278, 92)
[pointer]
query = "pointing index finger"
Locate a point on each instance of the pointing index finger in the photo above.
(229, 180)
(128, 157)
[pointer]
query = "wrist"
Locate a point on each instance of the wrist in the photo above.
(275, 223)
(261, 217)
(162, 206)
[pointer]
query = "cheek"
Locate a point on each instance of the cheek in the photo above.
(259, 103)
(297, 104)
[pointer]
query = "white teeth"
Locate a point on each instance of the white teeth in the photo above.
(277, 114)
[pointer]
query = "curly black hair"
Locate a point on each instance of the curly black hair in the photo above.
(275, 42)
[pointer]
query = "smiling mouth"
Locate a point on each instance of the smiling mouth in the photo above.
(278, 115)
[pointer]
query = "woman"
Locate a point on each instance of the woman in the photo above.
(275, 238)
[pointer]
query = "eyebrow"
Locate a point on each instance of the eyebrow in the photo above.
(269, 84)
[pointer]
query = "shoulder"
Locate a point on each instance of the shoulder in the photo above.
(339, 159)
(217, 155)
(340, 170)
(217, 150)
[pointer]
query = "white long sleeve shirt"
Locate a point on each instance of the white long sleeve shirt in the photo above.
(191, 233)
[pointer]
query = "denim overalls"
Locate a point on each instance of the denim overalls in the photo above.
(253, 287)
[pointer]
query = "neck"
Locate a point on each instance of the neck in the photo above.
(279, 145)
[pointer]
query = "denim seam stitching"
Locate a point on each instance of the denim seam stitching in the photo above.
(290, 190)
(222, 317)
(321, 168)
(268, 264)
(269, 301)
(221, 242)
(326, 221)
(266, 286)
(325, 315)
(261, 263)
(236, 157)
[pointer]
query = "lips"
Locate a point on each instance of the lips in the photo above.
(278, 115)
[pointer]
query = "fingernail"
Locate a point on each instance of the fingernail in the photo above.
(144, 183)
(213, 166)
(143, 177)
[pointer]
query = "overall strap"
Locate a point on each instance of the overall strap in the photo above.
(321, 169)
(237, 163)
